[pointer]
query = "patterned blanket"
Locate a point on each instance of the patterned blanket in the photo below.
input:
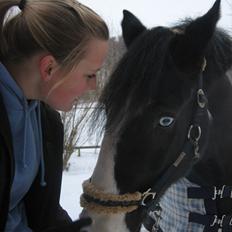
(176, 206)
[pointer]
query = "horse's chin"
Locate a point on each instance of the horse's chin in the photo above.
(85, 214)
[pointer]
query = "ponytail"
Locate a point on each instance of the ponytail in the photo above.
(62, 28)
(5, 5)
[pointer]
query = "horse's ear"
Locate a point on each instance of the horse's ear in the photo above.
(131, 27)
(189, 47)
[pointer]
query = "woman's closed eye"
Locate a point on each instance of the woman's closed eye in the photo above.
(91, 76)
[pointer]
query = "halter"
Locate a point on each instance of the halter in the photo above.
(97, 201)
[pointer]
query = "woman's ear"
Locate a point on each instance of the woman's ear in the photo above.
(47, 66)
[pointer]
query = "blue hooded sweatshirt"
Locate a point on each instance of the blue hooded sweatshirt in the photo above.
(25, 124)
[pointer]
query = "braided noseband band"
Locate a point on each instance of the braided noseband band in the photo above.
(22, 4)
(97, 201)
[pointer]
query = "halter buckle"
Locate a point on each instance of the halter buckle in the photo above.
(147, 194)
(194, 137)
(201, 100)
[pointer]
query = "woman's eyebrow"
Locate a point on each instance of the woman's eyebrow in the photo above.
(96, 70)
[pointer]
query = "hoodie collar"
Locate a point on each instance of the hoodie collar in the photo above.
(10, 84)
(21, 103)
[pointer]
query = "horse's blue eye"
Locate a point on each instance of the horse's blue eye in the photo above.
(166, 121)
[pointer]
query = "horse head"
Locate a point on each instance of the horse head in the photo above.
(156, 108)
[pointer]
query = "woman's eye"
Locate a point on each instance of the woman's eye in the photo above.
(166, 121)
(92, 76)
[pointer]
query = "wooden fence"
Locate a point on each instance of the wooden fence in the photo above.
(79, 148)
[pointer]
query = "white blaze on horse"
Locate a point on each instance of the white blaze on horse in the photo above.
(168, 133)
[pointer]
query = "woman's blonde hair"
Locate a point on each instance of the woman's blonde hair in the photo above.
(61, 27)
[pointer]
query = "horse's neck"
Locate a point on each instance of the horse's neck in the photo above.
(220, 104)
(215, 167)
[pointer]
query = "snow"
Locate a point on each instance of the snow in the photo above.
(80, 169)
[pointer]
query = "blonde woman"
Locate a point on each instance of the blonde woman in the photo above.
(49, 55)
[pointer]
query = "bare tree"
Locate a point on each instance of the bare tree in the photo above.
(73, 125)
(116, 50)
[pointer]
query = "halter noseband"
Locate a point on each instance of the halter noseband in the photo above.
(97, 201)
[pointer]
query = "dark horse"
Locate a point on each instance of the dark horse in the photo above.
(170, 97)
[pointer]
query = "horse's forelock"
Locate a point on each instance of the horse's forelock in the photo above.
(132, 86)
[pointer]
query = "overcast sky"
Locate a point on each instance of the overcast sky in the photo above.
(157, 12)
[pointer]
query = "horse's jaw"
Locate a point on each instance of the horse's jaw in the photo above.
(103, 178)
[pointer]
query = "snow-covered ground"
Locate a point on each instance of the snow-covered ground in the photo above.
(80, 169)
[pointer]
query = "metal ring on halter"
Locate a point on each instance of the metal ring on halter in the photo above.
(201, 100)
(147, 194)
(198, 135)
(22, 4)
